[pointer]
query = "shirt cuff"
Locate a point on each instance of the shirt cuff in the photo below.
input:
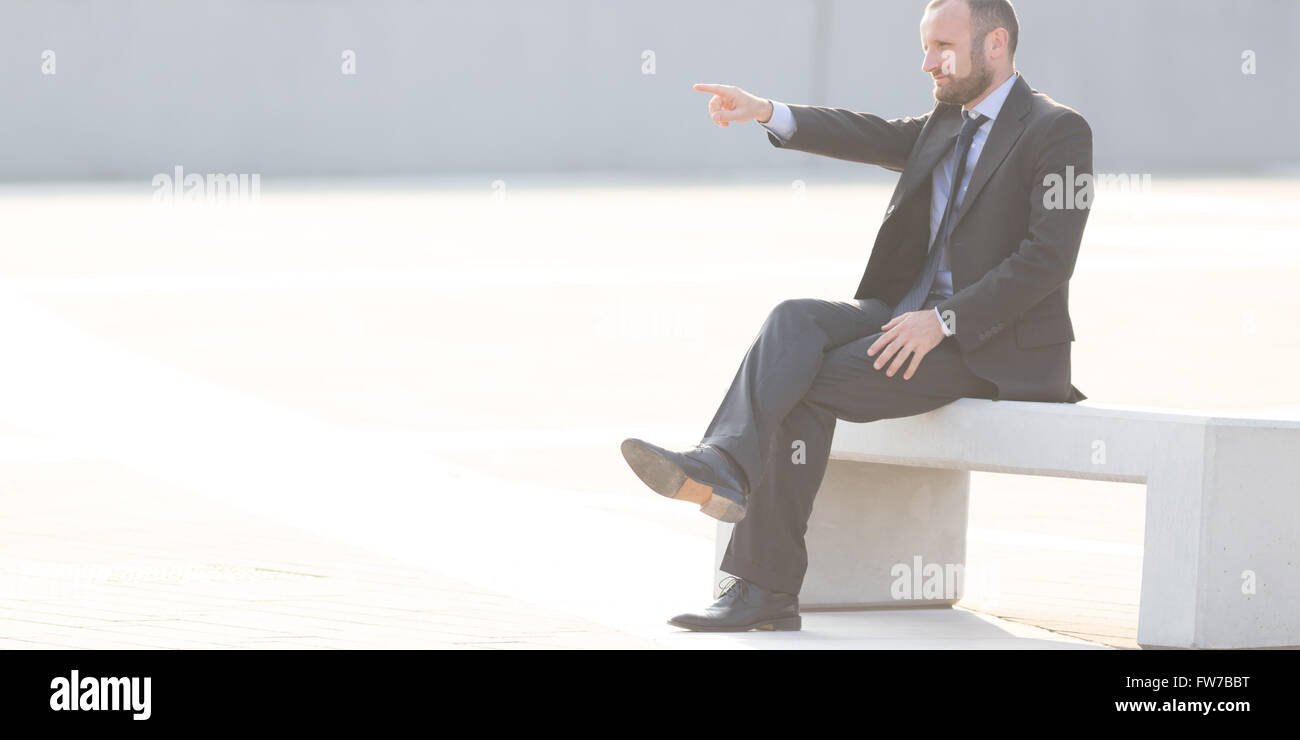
(942, 324)
(781, 124)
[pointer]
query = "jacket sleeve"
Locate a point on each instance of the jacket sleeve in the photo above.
(1044, 259)
(856, 137)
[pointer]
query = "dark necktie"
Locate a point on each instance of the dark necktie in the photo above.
(916, 295)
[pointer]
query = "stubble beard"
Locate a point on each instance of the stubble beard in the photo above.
(960, 91)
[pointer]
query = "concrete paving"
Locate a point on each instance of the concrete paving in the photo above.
(98, 557)
(389, 415)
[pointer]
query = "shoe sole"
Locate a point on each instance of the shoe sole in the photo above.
(667, 478)
(785, 624)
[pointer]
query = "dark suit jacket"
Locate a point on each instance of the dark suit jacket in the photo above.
(1011, 252)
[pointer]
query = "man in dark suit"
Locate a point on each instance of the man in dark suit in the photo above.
(964, 295)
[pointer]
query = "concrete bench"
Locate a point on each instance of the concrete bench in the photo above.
(1221, 551)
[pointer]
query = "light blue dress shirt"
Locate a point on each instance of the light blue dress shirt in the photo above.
(782, 125)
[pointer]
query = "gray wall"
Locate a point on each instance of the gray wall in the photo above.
(483, 86)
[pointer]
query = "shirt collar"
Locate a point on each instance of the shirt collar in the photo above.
(992, 105)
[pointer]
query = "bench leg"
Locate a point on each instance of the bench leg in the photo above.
(882, 536)
(1221, 562)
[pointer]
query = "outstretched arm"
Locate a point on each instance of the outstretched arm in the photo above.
(830, 132)
(856, 137)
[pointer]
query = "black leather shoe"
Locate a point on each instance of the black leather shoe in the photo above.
(702, 476)
(744, 606)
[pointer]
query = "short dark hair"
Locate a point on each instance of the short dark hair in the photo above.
(986, 15)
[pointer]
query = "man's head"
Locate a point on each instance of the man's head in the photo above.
(969, 46)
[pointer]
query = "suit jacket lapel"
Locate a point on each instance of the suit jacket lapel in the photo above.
(941, 138)
(1007, 128)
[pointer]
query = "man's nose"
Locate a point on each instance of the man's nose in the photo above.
(930, 64)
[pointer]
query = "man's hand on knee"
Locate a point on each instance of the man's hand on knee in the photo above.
(911, 335)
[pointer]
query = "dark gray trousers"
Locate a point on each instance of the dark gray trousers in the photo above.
(808, 367)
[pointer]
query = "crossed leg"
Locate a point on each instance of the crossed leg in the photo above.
(808, 367)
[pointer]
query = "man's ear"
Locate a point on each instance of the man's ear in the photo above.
(995, 43)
